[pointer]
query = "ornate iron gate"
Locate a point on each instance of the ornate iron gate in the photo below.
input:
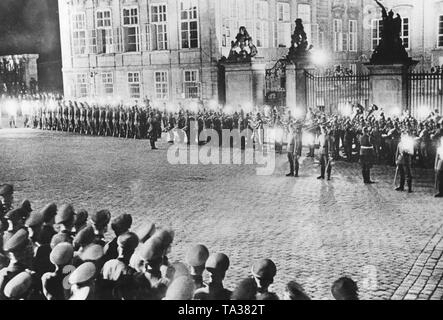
(275, 94)
(335, 94)
(425, 93)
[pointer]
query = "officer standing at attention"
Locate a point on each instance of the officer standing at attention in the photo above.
(325, 163)
(196, 258)
(366, 154)
(404, 161)
(217, 265)
(264, 272)
(293, 152)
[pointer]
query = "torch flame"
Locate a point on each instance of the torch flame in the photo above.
(407, 144)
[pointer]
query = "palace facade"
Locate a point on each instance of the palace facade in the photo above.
(169, 50)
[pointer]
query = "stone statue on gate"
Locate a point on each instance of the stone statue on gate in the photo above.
(299, 43)
(243, 48)
(391, 49)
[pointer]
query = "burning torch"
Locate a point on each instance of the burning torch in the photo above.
(406, 145)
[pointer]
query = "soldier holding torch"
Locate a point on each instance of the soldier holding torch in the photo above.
(404, 154)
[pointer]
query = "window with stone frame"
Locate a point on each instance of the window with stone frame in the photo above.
(191, 84)
(105, 33)
(79, 40)
(338, 35)
(161, 85)
(159, 26)
(352, 34)
(82, 85)
(134, 85)
(189, 33)
(131, 30)
(107, 83)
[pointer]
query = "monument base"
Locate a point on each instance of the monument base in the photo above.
(388, 86)
(245, 82)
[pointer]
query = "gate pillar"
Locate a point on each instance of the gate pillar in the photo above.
(296, 87)
(388, 87)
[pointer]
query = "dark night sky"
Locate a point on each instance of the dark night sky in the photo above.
(32, 26)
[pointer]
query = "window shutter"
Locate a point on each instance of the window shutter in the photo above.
(119, 37)
(101, 40)
(92, 37)
(125, 39)
(147, 37)
(153, 34)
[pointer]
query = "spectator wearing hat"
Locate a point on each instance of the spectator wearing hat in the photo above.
(20, 252)
(246, 290)
(120, 225)
(181, 289)
(83, 239)
(217, 265)
(16, 220)
(49, 212)
(34, 225)
(65, 220)
(20, 287)
(26, 206)
(54, 284)
(117, 270)
(6, 198)
(80, 221)
(151, 252)
(294, 291)
(93, 253)
(143, 233)
(345, 289)
(196, 258)
(263, 272)
(166, 237)
(42, 249)
(60, 238)
(100, 221)
(82, 282)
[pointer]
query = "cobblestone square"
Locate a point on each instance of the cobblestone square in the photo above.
(315, 231)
